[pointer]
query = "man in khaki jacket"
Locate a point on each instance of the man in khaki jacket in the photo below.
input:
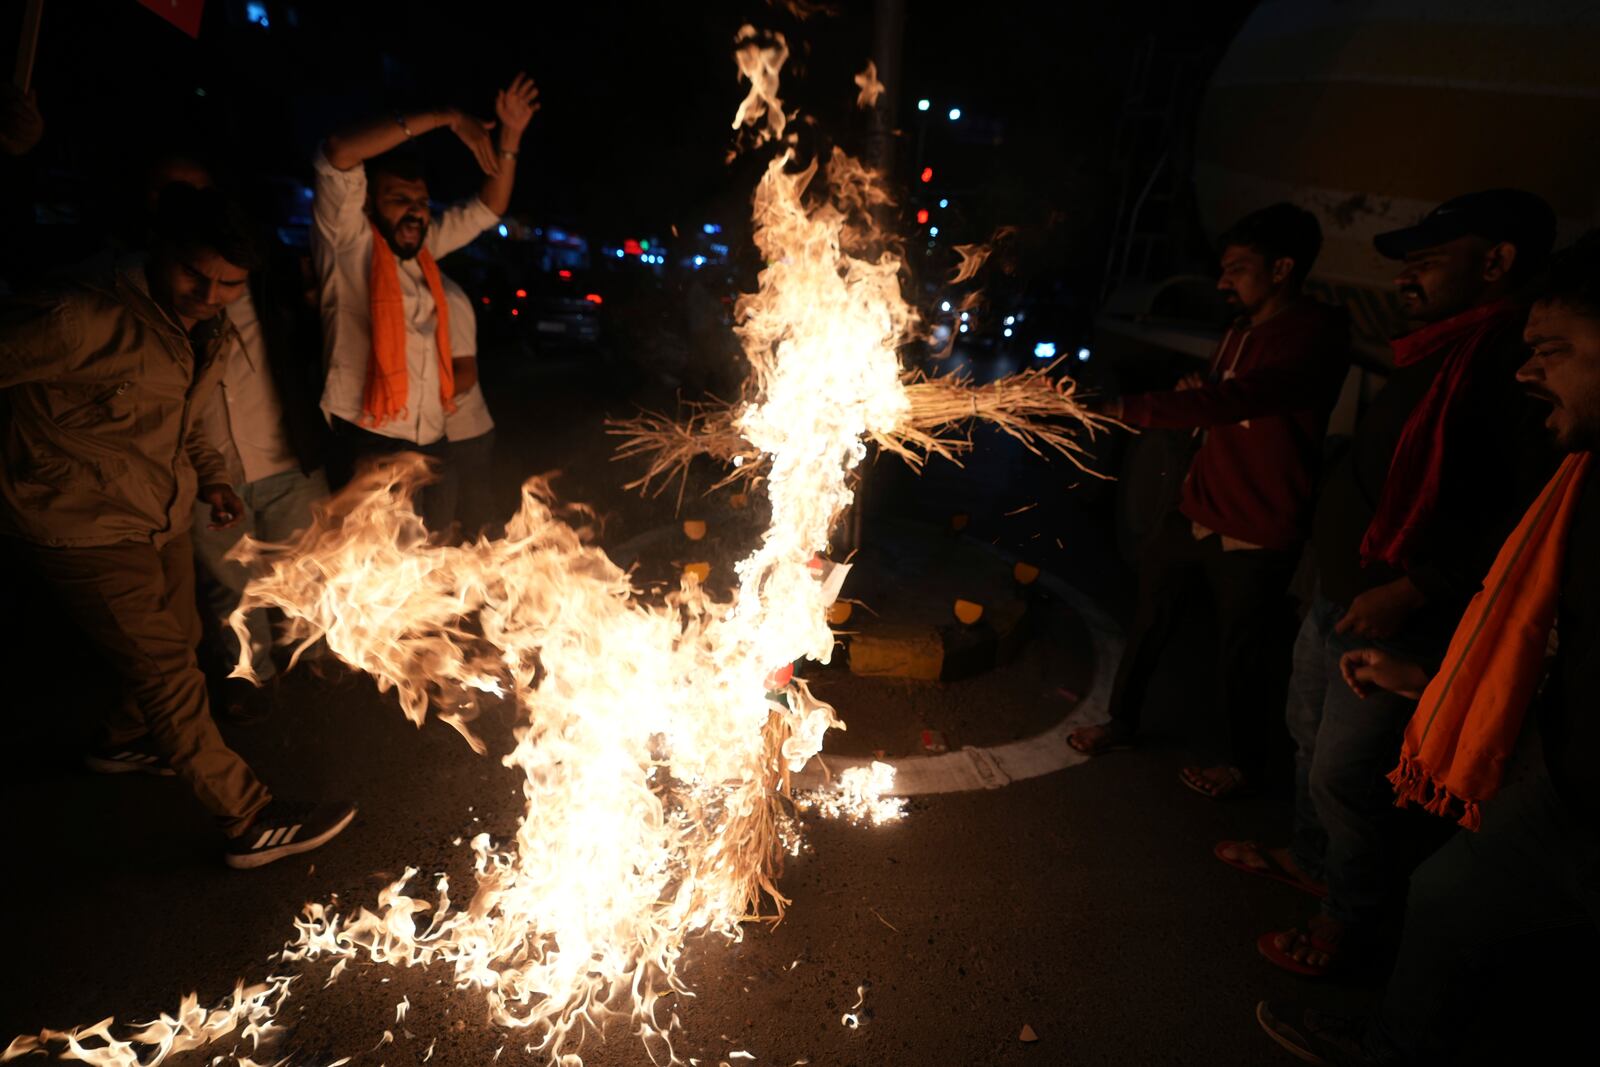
(104, 456)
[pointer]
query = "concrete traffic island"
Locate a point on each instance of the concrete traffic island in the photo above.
(960, 665)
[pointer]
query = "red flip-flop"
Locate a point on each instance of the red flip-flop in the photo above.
(1267, 944)
(1272, 869)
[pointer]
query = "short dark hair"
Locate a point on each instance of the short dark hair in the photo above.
(190, 219)
(1281, 231)
(1571, 278)
(404, 163)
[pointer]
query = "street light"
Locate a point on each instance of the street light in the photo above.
(923, 104)
(955, 114)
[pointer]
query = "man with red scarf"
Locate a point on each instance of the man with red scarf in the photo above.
(1526, 873)
(1442, 463)
(391, 377)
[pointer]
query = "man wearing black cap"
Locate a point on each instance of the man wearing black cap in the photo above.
(1442, 463)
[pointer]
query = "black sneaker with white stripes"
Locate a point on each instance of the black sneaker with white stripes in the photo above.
(136, 757)
(284, 828)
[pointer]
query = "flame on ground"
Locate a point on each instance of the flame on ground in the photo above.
(655, 760)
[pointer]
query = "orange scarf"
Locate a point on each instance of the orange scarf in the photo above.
(1466, 725)
(388, 379)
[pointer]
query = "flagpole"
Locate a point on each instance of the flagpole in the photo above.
(28, 44)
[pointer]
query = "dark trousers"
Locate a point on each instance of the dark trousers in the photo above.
(1530, 877)
(467, 484)
(1249, 589)
(350, 444)
(136, 603)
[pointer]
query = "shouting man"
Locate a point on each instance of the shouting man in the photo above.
(392, 378)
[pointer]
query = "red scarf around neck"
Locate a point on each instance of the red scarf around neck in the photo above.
(1410, 494)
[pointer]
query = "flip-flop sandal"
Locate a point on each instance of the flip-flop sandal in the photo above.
(1271, 868)
(1108, 743)
(1238, 788)
(1268, 946)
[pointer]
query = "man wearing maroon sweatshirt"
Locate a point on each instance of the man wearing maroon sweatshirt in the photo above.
(1442, 464)
(1245, 509)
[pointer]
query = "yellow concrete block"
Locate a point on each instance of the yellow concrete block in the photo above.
(911, 653)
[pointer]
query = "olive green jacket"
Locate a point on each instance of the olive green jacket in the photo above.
(99, 415)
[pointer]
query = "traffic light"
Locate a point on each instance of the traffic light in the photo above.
(922, 217)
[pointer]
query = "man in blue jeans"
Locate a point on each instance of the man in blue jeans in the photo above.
(1441, 465)
(1521, 884)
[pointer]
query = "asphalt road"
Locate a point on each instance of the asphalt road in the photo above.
(1085, 905)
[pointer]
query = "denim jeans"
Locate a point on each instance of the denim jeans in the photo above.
(1346, 825)
(276, 508)
(1532, 869)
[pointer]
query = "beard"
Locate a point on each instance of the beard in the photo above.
(392, 230)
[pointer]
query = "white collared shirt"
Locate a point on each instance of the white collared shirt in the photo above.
(341, 247)
(245, 416)
(471, 417)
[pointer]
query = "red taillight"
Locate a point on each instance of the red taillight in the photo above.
(513, 312)
(593, 298)
(564, 273)
(927, 174)
(922, 217)
(522, 294)
(485, 300)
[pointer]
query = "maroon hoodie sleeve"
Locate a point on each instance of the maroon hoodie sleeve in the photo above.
(1299, 367)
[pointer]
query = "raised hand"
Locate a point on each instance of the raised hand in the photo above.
(515, 106)
(474, 133)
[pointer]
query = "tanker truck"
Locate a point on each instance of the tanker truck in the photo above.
(1367, 113)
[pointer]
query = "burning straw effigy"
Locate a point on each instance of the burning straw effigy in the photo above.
(1033, 406)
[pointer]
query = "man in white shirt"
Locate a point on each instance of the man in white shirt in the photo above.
(391, 381)
(271, 438)
(468, 431)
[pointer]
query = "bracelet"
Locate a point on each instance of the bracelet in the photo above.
(400, 120)
(508, 153)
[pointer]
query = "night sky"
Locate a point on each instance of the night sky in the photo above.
(638, 97)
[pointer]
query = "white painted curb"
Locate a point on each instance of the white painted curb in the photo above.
(973, 768)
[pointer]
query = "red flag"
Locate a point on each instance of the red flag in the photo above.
(184, 14)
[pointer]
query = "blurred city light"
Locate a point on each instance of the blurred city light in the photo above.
(505, 231)
(923, 104)
(945, 306)
(944, 203)
(711, 227)
(1044, 350)
(1083, 355)
(927, 174)
(1011, 320)
(1007, 331)
(955, 113)
(922, 217)
(933, 231)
